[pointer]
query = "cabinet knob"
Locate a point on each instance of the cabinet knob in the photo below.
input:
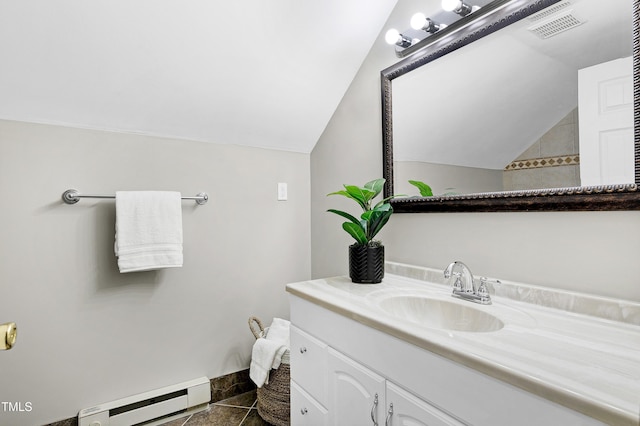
(303, 350)
(303, 411)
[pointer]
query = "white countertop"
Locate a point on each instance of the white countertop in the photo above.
(586, 363)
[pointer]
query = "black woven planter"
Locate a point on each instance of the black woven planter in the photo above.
(366, 264)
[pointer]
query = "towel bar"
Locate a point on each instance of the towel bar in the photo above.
(72, 196)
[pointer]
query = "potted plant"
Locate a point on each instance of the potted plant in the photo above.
(366, 255)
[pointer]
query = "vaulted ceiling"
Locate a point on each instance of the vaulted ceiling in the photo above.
(269, 73)
(250, 72)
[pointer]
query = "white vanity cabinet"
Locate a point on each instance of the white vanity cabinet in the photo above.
(329, 388)
(339, 365)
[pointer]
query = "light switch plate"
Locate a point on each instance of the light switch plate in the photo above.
(282, 191)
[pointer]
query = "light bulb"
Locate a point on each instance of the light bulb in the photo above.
(451, 5)
(418, 20)
(392, 36)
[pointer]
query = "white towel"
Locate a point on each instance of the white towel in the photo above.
(267, 351)
(148, 230)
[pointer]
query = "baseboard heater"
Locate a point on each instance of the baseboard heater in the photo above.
(150, 408)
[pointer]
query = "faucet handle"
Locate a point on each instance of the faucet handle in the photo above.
(457, 284)
(491, 284)
(483, 292)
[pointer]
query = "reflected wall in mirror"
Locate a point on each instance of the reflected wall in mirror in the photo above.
(543, 98)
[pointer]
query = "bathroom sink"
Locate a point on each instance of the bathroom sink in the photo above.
(439, 313)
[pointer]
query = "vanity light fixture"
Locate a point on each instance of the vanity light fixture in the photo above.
(425, 31)
(420, 22)
(459, 7)
(393, 36)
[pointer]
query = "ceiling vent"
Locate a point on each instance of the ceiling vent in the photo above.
(551, 10)
(556, 25)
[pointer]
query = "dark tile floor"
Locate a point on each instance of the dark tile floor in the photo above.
(236, 411)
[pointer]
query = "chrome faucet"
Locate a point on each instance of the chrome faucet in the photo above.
(464, 285)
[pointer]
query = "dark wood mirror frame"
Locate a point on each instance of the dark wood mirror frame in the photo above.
(609, 197)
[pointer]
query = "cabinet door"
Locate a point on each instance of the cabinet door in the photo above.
(356, 394)
(405, 409)
(306, 411)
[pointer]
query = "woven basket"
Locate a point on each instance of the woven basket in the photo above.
(273, 397)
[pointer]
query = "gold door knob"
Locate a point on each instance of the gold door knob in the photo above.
(8, 335)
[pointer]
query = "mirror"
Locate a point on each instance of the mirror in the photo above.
(496, 126)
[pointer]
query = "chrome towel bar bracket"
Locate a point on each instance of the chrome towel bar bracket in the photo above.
(72, 196)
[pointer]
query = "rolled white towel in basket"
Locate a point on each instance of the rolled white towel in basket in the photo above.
(268, 350)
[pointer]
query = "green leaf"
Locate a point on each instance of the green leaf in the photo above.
(354, 195)
(383, 207)
(376, 186)
(375, 211)
(345, 193)
(345, 215)
(361, 195)
(425, 190)
(356, 231)
(377, 220)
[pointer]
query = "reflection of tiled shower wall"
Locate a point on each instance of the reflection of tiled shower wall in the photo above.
(553, 161)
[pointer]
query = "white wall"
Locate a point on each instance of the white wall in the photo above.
(88, 334)
(592, 252)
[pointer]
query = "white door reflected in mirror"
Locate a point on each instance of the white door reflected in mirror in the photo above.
(605, 99)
